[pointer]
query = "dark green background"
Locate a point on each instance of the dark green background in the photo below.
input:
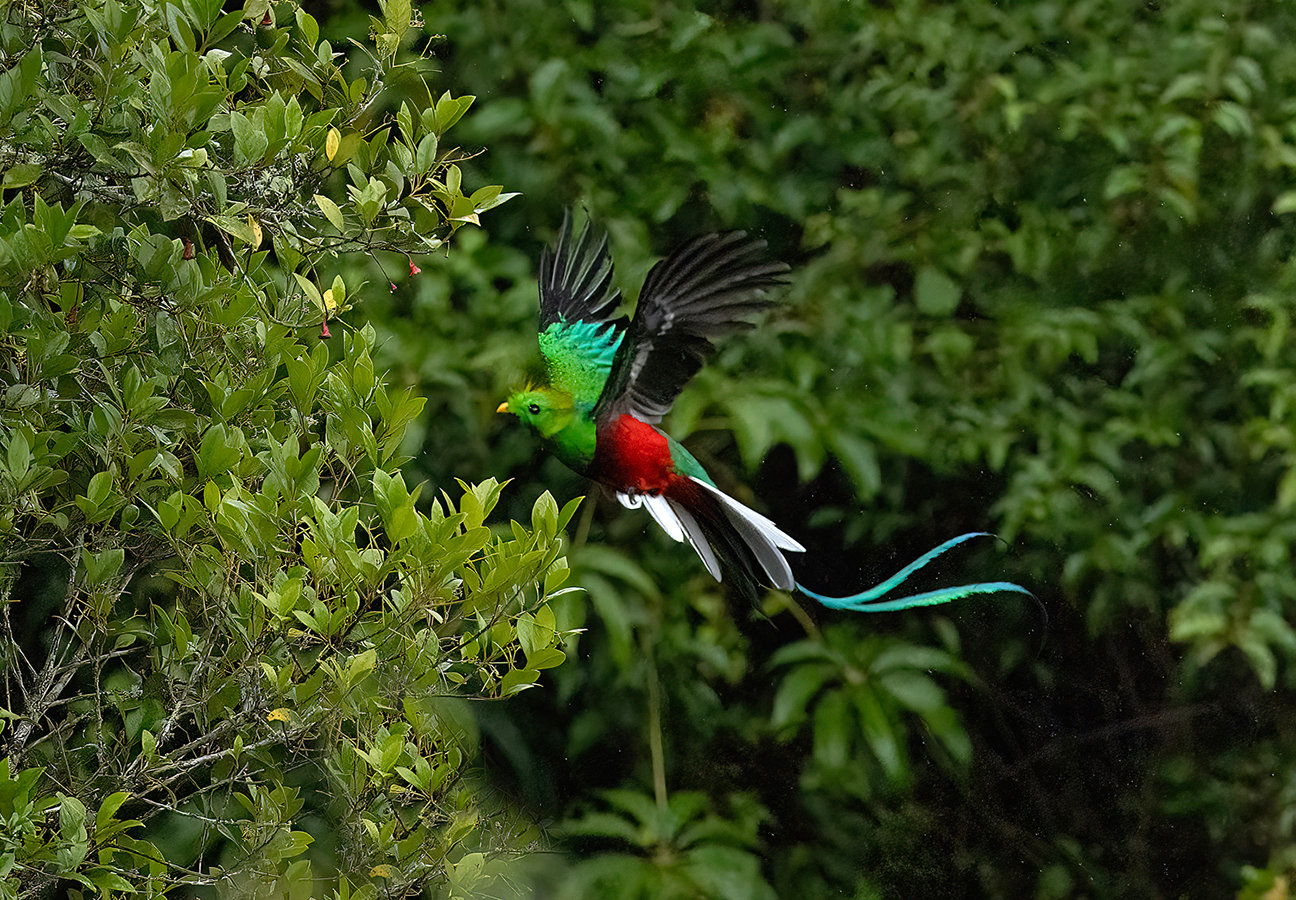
(1043, 282)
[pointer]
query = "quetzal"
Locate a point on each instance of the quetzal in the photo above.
(612, 380)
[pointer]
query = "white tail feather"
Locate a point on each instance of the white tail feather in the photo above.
(765, 539)
(776, 535)
(696, 538)
(769, 556)
(662, 510)
(762, 537)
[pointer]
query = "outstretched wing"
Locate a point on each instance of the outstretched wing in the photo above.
(705, 289)
(579, 333)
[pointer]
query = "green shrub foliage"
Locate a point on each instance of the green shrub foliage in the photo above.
(235, 652)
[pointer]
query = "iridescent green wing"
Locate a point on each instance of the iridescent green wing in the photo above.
(579, 329)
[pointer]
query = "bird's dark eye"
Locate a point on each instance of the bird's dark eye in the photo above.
(534, 409)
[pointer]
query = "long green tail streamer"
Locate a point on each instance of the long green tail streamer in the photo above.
(873, 599)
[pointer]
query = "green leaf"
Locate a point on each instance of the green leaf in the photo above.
(18, 456)
(238, 228)
(466, 873)
(108, 881)
(913, 690)
(297, 844)
(859, 458)
(447, 111)
(517, 680)
(99, 489)
(832, 728)
(935, 293)
(250, 141)
(396, 15)
(425, 155)
(99, 501)
(547, 658)
(72, 816)
(880, 731)
(1285, 203)
(219, 451)
(361, 665)
(798, 688)
(21, 175)
(108, 810)
(309, 27)
(331, 211)
(103, 566)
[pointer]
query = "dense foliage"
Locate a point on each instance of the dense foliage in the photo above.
(235, 653)
(1042, 286)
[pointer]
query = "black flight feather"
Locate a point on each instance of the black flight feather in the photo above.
(576, 278)
(705, 289)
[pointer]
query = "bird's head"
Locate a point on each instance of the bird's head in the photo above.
(543, 408)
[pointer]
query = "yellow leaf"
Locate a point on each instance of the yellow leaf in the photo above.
(330, 304)
(330, 209)
(331, 143)
(279, 715)
(256, 231)
(380, 872)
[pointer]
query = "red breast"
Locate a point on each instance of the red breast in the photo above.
(632, 456)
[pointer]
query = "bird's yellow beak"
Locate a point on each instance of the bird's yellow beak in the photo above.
(502, 408)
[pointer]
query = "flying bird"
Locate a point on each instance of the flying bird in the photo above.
(611, 379)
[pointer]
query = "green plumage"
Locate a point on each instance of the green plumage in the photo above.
(579, 357)
(686, 463)
(568, 429)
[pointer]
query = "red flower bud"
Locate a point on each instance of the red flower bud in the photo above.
(324, 332)
(414, 270)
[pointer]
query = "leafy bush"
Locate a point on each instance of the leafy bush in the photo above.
(235, 651)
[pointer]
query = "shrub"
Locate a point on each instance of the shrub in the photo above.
(235, 652)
